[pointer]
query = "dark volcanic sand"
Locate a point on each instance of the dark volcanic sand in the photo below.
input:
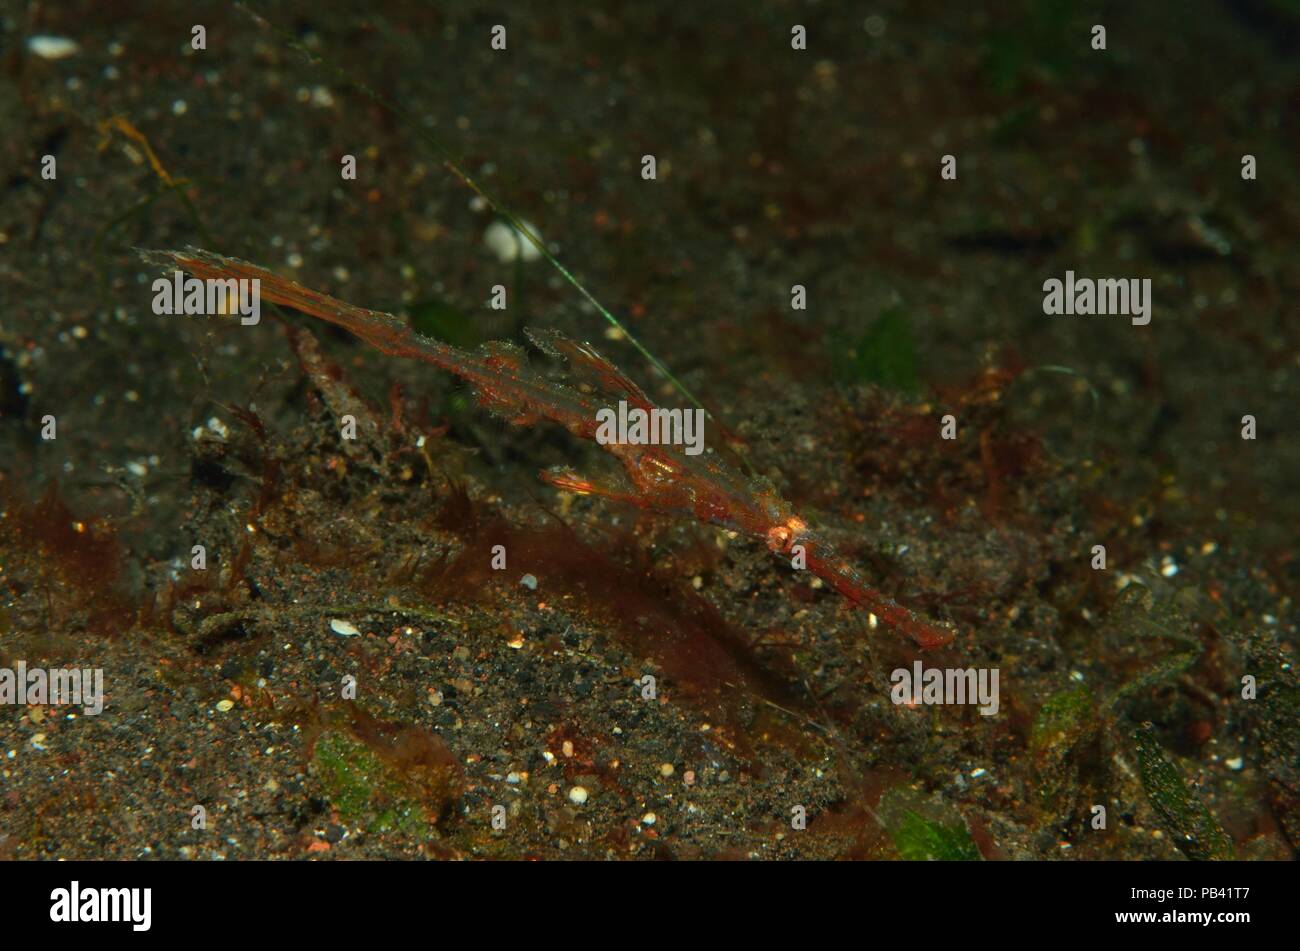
(775, 168)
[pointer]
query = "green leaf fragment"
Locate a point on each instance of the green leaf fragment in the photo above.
(924, 831)
(1182, 814)
(885, 354)
(918, 839)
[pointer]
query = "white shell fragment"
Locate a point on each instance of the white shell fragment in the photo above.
(51, 47)
(507, 243)
(343, 628)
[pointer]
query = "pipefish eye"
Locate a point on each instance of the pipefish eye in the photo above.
(778, 536)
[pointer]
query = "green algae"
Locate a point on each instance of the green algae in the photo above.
(385, 777)
(1062, 719)
(1063, 724)
(366, 794)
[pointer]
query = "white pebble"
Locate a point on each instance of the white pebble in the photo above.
(343, 628)
(507, 243)
(225, 706)
(529, 582)
(577, 795)
(1235, 763)
(52, 47)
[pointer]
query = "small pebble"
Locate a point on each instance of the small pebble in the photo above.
(343, 628)
(225, 706)
(1236, 763)
(577, 795)
(666, 770)
(508, 244)
(649, 819)
(52, 47)
(529, 582)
